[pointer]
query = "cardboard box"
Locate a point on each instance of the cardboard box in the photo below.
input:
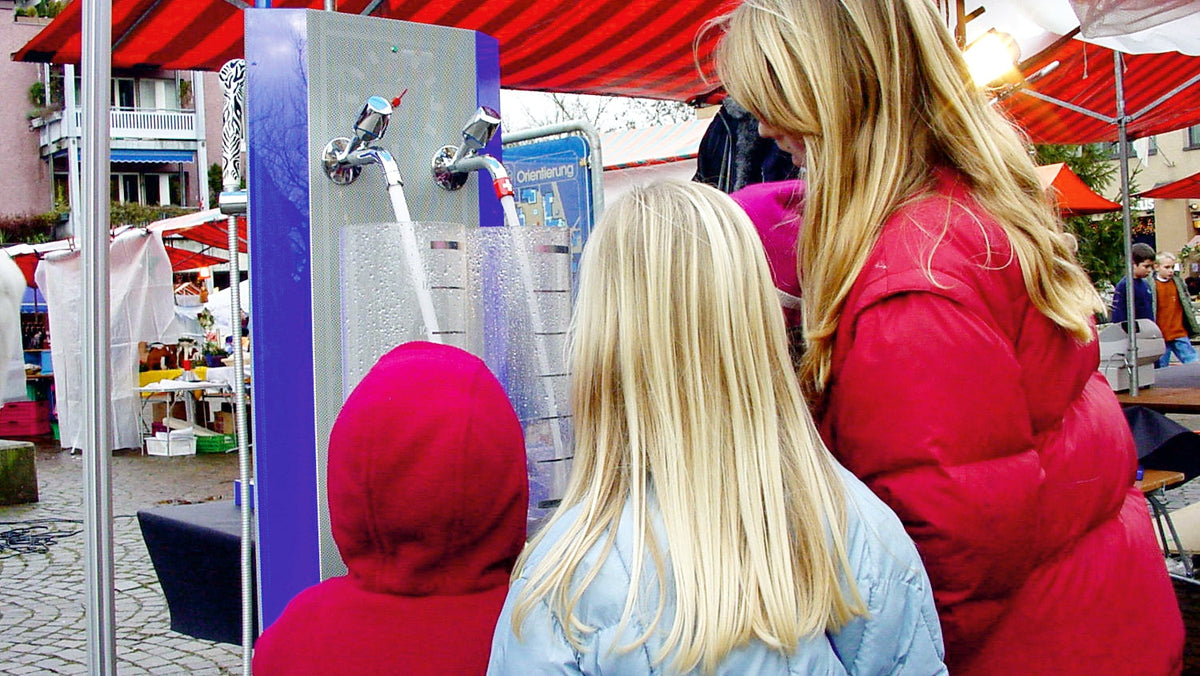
(224, 422)
(158, 411)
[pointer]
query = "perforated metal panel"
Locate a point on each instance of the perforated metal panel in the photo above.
(350, 59)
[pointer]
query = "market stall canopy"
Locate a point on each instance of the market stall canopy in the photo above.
(653, 145)
(1183, 189)
(28, 255)
(1073, 196)
(1084, 77)
(183, 259)
(626, 47)
(207, 227)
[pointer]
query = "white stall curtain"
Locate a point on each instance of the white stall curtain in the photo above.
(12, 356)
(141, 309)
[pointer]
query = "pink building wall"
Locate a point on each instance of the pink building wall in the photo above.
(25, 181)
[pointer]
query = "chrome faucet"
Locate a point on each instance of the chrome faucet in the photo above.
(344, 158)
(452, 164)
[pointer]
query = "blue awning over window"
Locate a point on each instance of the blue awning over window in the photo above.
(122, 155)
(145, 156)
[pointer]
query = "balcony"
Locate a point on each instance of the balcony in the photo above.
(125, 123)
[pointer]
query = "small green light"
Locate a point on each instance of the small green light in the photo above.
(395, 49)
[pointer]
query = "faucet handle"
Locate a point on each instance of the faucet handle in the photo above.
(372, 121)
(481, 128)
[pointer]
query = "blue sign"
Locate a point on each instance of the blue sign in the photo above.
(553, 186)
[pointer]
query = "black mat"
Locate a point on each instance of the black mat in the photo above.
(196, 551)
(1163, 443)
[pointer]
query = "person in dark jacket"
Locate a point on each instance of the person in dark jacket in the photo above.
(1143, 298)
(427, 500)
(732, 155)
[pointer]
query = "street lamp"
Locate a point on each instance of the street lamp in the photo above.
(992, 57)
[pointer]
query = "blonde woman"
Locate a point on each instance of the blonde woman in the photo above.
(705, 527)
(950, 353)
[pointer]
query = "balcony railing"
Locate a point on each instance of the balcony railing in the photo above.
(128, 123)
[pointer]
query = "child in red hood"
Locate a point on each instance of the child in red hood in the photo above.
(427, 500)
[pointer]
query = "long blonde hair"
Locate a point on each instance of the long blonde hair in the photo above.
(684, 405)
(881, 96)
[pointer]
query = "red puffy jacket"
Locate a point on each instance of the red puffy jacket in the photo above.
(988, 429)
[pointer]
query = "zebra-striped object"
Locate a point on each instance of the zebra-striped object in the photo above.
(233, 84)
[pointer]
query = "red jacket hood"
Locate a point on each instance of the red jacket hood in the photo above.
(426, 476)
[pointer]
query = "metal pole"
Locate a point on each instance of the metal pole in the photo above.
(97, 458)
(233, 83)
(1127, 227)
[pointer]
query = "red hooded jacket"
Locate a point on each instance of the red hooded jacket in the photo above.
(427, 500)
(989, 431)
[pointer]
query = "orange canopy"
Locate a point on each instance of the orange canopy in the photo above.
(1073, 196)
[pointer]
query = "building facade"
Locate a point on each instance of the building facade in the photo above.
(165, 130)
(1170, 157)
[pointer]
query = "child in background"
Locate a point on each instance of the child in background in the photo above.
(1173, 312)
(1143, 295)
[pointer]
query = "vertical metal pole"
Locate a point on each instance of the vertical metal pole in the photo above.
(1127, 227)
(74, 176)
(233, 84)
(198, 104)
(97, 458)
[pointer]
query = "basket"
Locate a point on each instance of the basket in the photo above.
(216, 443)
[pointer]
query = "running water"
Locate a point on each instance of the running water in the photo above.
(416, 269)
(521, 253)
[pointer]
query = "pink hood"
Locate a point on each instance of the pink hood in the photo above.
(427, 482)
(776, 209)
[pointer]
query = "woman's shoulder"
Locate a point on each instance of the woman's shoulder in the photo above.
(941, 242)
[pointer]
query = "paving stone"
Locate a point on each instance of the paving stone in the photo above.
(43, 629)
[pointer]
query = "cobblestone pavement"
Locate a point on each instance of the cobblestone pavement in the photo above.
(42, 623)
(43, 628)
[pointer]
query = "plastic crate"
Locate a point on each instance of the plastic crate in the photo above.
(155, 446)
(217, 443)
(25, 419)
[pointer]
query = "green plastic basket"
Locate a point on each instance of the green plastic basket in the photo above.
(217, 443)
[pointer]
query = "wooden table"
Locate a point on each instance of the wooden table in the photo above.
(1153, 485)
(1164, 399)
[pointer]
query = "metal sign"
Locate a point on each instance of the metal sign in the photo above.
(553, 187)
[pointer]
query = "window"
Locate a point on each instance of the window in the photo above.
(152, 191)
(177, 188)
(124, 92)
(1193, 138)
(1113, 148)
(62, 191)
(125, 188)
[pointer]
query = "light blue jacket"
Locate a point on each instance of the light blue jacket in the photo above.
(901, 635)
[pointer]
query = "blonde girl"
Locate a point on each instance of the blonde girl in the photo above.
(705, 527)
